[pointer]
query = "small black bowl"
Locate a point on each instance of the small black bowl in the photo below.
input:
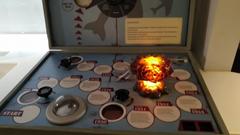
(122, 95)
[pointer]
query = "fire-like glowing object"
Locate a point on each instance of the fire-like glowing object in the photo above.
(152, 68)
(151, 72)
(150, 87)
(151, 60)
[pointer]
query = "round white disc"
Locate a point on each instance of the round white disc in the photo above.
(99, 97)
(88, 85)
(181, 74)
(167, 113)
(121, 66)
(140, 119)
(102, 69)
(69, 82)
(186, 103)
(85, 66)
(29, 113)
(183, 86)
(51, 82)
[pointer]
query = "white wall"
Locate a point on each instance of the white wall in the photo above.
(223, 34)
(21, 16)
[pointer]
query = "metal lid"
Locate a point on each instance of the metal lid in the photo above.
(66, 109)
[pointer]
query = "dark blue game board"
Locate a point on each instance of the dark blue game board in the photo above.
(90, 120)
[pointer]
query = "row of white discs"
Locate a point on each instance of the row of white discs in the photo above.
(186, 102)
(70, 82)
(138, 119)
(96, 97)
(144, 119)
(73, 81)
(100, 69)
(31, 112)
(180, 74)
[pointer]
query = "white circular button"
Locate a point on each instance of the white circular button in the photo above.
(50, 82)
(181, 74)
(29, 113)
(183, 86)
(167, 113)
(89, 86)
(99, 97)
(103, 69)
(69, 82)
(140, 119)
(121, 66)
(85, 66)
(186, 103)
